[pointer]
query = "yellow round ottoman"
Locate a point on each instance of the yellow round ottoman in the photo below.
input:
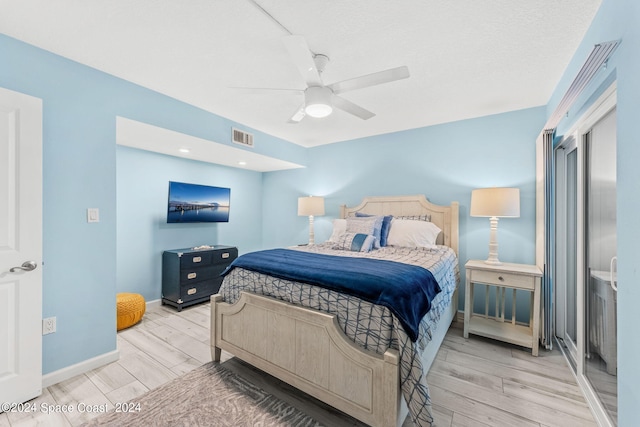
(130, 309)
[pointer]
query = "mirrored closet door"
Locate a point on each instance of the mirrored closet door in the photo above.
(585, 263)
(600, 365)
(566, 238)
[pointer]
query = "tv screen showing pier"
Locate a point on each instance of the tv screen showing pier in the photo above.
(197, 203)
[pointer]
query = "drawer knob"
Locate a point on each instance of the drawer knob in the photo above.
(501, 278)
(225, 255)
(192, 291)
(191, 276)
(197, 259)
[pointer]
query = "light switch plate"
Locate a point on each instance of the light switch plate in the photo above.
(93, 215)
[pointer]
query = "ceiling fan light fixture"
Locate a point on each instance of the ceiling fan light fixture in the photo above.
(318, 110)
(318, 101)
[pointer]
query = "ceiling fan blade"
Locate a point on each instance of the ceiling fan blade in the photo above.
(373, 79)
(297, 116)
(351, 108)
(265, 91)
(303, 58)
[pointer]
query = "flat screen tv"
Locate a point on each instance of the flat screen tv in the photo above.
(197, 203)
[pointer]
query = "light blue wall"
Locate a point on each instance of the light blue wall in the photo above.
(620, 19)
(142, 230)
(80, 106)
(444, 162)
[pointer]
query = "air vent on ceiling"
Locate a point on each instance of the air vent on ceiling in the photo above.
(242, 138)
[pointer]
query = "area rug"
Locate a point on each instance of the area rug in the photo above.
(210, 395)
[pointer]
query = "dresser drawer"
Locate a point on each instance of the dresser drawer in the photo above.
(502, 279)
(202, 273)
(196, 259)
(199, 290)
(204, 258)
(224, 256)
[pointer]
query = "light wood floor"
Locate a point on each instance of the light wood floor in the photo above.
(474, 382)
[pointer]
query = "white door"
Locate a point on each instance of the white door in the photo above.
(20, 246)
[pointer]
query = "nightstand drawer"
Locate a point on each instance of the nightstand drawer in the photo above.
(502, 279)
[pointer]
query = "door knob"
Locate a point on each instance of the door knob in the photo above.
(26, 266)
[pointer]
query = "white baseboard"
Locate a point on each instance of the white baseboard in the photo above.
(154, 303)
(79, 368)
(89, 364)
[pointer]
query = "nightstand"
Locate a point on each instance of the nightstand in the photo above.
(502, 277)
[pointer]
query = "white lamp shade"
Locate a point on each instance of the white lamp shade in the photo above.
(495, 202)
(310, 206)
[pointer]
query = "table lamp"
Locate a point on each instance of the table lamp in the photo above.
(495, 203)
(310, 206)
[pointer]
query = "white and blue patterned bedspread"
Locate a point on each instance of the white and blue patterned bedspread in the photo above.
(368, 325)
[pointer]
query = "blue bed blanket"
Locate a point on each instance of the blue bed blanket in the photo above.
(407, 290)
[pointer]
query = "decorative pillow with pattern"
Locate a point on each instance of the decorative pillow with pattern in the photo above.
(356, 242)
(371, 225)
(384, 231)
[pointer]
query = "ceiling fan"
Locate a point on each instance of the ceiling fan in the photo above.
(321, 99)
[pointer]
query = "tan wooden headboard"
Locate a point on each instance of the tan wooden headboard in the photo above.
(445, 217)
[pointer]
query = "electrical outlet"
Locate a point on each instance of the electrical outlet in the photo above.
(48, 325)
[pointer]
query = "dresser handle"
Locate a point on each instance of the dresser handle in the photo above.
(192, 291)
(225, 255)
(191, 276)
(197, 259)
(501, 278)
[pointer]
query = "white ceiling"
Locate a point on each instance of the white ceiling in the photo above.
(131, 133)
(467, 58)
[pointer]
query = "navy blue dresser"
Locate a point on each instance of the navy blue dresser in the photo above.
(190, 276)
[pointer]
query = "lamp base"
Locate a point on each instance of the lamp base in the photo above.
(493, 242)
(311, 233)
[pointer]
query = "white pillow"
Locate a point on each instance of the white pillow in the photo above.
(412, 234)
(339, 228)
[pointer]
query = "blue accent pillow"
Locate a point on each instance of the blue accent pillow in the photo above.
(384, 231)
(369, 225)
(356, 242)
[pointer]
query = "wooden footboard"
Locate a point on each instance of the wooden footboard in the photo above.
(307, 349)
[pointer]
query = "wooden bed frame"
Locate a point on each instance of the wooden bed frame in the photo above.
(307, 349)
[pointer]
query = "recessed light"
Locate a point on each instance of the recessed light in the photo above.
(241, 163)
(184, 150)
